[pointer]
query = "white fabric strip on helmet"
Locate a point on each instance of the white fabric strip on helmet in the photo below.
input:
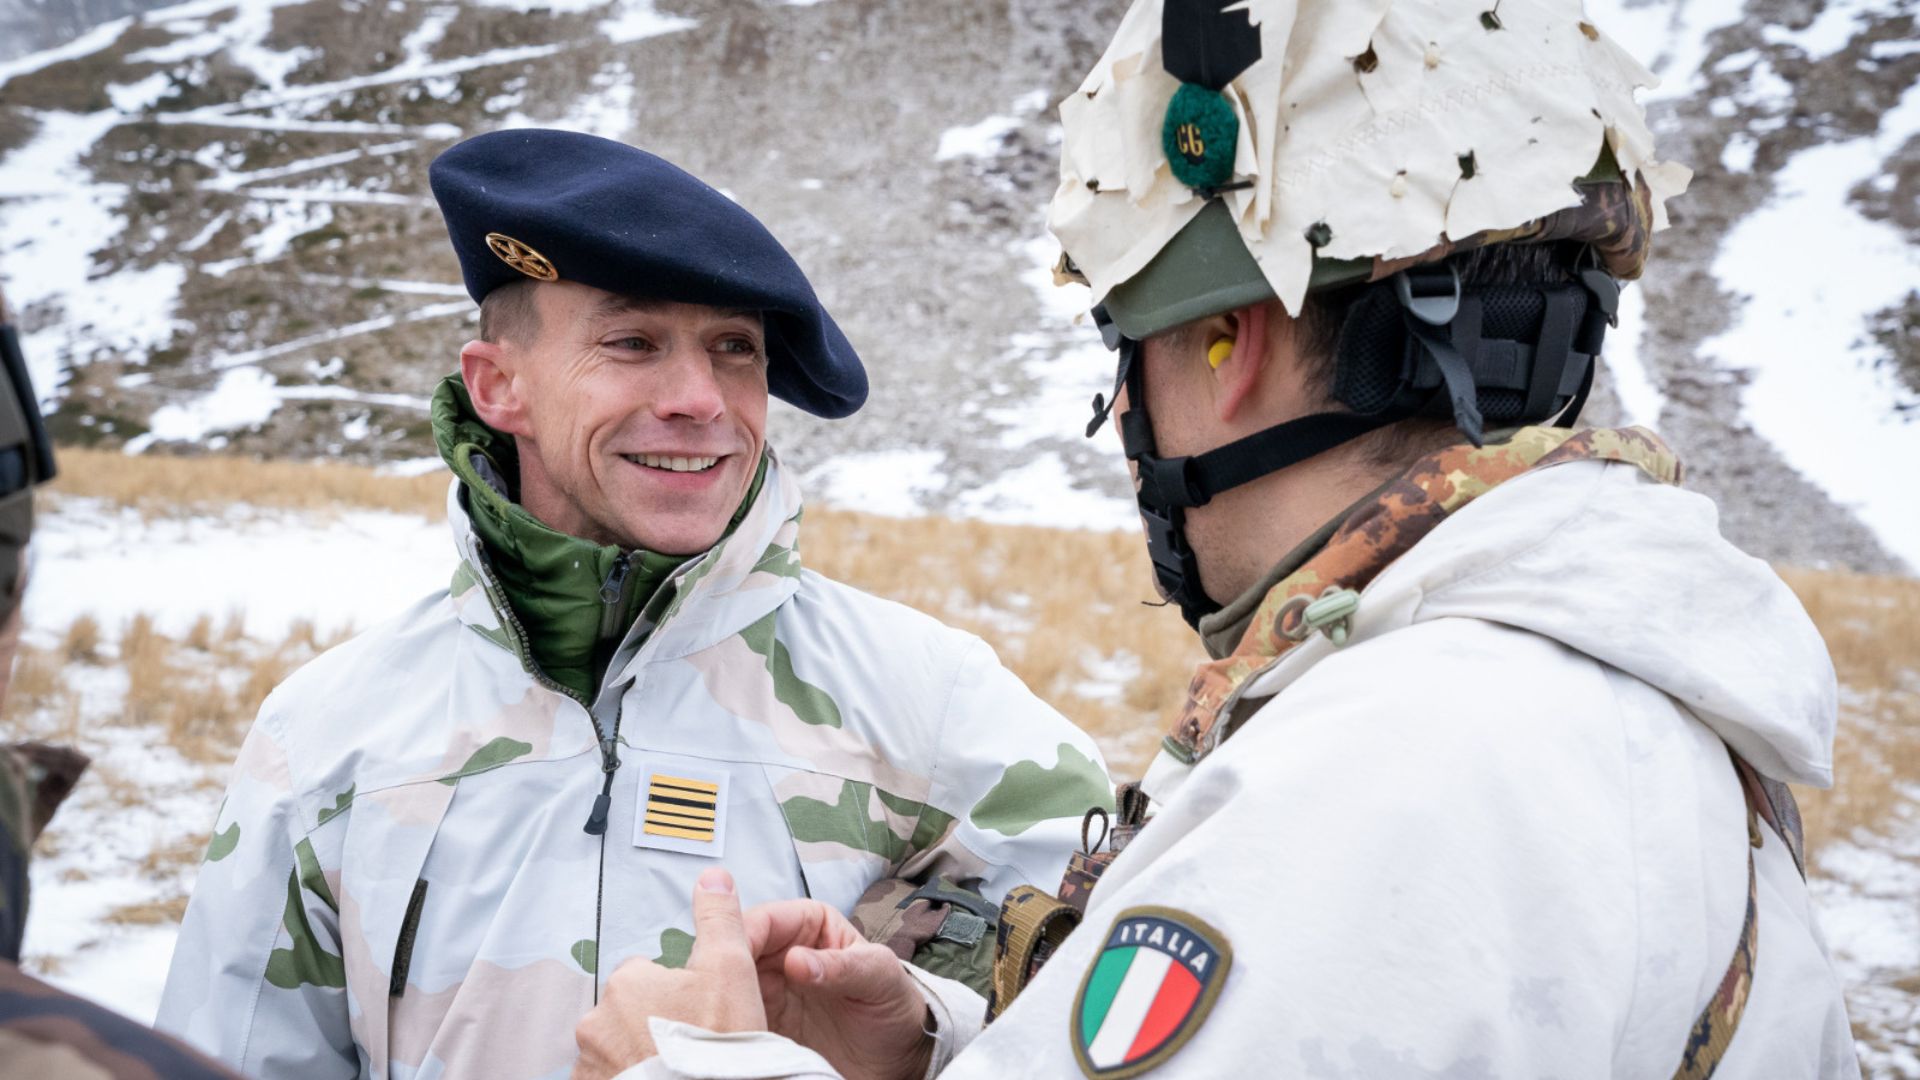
(1376, 154)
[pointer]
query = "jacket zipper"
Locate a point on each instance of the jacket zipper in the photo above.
(613, 595)
(611, 592)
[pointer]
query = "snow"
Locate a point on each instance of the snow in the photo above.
(889, 482)
(1108, 676)
(51, 221)
(244, 398)
(338, 333)
(413, 467)
(638, 20)
(1812, 269)
(1042, 492)
(85, 45)
(231, 181)
(984, 139)
(1830, 30)
(1737, 156)
(1668, 36)
(1640, 398)
(350, 568)
(140, 96)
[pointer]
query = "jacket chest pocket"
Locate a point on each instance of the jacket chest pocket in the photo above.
(389, 837)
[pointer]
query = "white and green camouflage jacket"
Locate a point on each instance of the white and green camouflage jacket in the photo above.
(400, 884)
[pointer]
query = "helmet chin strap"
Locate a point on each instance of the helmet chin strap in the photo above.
(1167, 487)
(1436, 368)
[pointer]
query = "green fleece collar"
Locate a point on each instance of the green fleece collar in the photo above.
(574, 599)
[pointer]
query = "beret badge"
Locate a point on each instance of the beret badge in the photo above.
(521, 257)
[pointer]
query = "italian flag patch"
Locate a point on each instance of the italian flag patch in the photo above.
(1152, 984)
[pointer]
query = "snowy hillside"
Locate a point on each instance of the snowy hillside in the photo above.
(217, 219)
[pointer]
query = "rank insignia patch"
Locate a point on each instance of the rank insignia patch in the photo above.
(1152, 984)
(682, 812)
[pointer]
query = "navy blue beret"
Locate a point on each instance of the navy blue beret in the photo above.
(555, 205)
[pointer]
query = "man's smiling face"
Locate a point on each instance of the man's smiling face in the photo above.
(639, 423)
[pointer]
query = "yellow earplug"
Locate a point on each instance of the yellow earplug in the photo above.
(1218, 352)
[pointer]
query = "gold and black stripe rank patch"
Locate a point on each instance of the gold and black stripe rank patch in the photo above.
(681, 808)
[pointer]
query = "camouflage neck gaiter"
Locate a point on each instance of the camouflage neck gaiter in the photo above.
(1380, 530)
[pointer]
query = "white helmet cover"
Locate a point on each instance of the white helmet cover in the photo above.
(1388, 128)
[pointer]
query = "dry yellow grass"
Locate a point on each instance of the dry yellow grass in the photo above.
(81, 643)
(1041, 596)
(167, 912)
(1872, 628)
(163, 485)
(200, 690)
(37, 680)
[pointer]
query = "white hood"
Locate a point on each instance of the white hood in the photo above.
(1636, 575)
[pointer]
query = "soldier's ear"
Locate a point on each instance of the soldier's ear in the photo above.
(1239, 373)
(495, 392)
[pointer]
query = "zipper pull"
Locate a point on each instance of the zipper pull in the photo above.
(613, 594)
(609, 764)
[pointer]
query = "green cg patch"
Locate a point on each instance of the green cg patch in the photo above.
(1200, 134)
(1153, 983)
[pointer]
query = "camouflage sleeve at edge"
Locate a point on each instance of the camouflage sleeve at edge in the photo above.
(257, 979)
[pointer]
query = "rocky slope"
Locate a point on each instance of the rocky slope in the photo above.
(218, 218)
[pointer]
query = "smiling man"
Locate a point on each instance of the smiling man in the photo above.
(441, 835)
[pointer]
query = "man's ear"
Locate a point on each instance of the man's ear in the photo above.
(495, 391)
(1240, 374)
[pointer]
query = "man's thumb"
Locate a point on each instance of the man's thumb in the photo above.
(865, 972)
(719, 936)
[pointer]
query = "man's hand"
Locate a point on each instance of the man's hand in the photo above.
(717, 990)
(828, 988)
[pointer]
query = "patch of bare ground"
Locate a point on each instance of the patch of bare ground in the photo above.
(1897, 330)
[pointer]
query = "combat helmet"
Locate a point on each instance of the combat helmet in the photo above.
(1230, 152)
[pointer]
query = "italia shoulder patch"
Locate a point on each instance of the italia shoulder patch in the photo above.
(1147, 992)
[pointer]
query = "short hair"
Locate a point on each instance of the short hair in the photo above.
(509, 313)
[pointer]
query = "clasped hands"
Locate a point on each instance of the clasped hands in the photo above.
(797, 968)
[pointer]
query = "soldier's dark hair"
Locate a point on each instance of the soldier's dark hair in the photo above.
(1317, 339)
(510, 314)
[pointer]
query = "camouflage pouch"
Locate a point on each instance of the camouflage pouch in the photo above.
(937, 927)
(1033, 925)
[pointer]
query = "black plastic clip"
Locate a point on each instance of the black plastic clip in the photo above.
(1429, 293)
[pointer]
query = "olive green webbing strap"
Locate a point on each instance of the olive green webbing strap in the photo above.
(1713, 1030)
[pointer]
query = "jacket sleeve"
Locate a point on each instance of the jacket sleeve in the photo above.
(1011, 784)
(1011, 781)
(257, 980)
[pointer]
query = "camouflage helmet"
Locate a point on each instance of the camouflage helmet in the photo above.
(1223, 154)
(1215, 158)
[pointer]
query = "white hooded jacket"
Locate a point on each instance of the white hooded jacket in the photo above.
(1496, 834)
